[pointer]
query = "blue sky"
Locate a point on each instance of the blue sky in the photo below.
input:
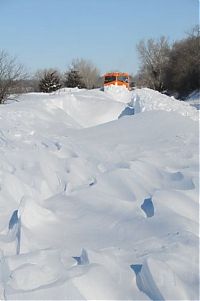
(50, 33)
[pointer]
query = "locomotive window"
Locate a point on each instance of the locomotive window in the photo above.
(123, 79)
(109, 79)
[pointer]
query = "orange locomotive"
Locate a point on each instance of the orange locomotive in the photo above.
(117, 79)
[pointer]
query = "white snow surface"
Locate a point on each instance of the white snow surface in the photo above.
(98, 203)
(194, 96)
(148, 100)
(194, 99)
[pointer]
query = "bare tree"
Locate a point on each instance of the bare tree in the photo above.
(183, 73)
(194, 32)
(88, 72)
(11, 73)
(154, 56)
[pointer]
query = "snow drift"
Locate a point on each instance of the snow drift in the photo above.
(148, 100)
(94, 206)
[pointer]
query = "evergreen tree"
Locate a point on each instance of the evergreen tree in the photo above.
(73, 79)
(88, 72)
(49, 81)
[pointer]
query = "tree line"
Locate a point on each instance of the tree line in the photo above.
(81, 73)
(168, 68)
(173, 69)
(14, 80)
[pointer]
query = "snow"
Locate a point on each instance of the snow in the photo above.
(98, 202)
(194, 99)
(148, 100)
(194, 96)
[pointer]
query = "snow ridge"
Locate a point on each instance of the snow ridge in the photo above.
(149, 100)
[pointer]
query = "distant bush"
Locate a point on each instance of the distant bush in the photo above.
(49, 81)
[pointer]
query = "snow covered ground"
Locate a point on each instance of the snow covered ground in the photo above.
(194, 99)
(98, 203)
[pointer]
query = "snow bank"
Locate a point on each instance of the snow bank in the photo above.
(147, 100)
(118, 93)
(194, 97)
(83, 108)
(106, 212)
